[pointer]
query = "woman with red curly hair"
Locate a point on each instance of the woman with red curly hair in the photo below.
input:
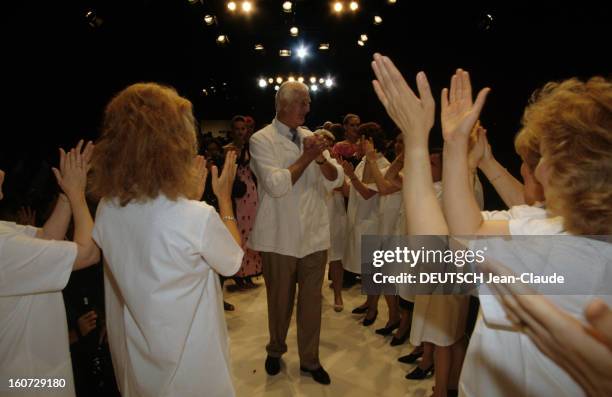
(162, 248)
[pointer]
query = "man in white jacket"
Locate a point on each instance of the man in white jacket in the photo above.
(292, 225)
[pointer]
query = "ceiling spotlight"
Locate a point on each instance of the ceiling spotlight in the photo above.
(287, 6)
(247, 6)
(209, 19)
(392, 1)
(276, 88)
(329, 82)
(324, 46)
(262, 83)
(205, 92)
(290, 78)
(294, 31)
(301, 79)
(354, 6)
(270, 80)
(302, 53)
(222, 39)
(338, 6)
(321, 80)
(279, 80)
(92, 19)
(284, 53)
(231, 6)
(360, 43)
(314, 87)
(377, 20)
(259, 47)
(313, 79)
(364, 37)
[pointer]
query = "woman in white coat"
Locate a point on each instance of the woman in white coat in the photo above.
(162, 248)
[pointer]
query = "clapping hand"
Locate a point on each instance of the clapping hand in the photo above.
(74, 165)
(201, 173)
(222, 185)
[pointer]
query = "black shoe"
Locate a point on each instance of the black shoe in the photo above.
(399, 341)
(410, 358)
(452, 393)
(369, 321)
(388, 329)
(272, 365)
(228, 307)
(419, 373)
(319, 375)
(360, 310)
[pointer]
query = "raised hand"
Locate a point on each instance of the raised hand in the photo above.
(459, 114)
(413, 115)
(222, 185)
(478, 147)
(72, 174)
(201, 172)
(349, 170)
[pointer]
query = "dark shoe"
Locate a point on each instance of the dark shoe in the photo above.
(410, 358)
(228, 307)
(369, 321)
(388, 329)
(319, 375)
(360, 310)
(272, 365)
(452, 393)
(419, 373)
(399, 341)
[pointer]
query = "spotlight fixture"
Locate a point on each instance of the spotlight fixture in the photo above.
(284, 53)
(209, 19)
(329, 82)
(354, 6)
(204, 92)
(287, 6)
(302, 53)
(222, 39)
(291, 78)
(270, 80)
(262, 83)
(321, 80)
(231, 6)
(301, 79)
(259, 47)
(294, 31)
(92, 19)
(314, 87)
(364, 37)
(377, 20)
(276, 88)
(247, 6)
(360, 43)
(313, 79)
(279, 80)
(338, 6)
(324, 46)
(392, 1)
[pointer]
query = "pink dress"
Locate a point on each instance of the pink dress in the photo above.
(246, 208)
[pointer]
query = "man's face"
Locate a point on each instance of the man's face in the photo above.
(297, 109)
(351, 127)
(239, 131)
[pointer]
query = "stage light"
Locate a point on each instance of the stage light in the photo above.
(302, 52)
(92, 19)
(338, 6)
(209, 19)
(205, 92)
(294, 31)
(313, 79)
(279, 80)
(321, 80)
(364, 37)
(270, 80)
(301, 79)
(314, 87)
(329, 82)
(377, 20)
(247, 6)
(222, 39)
(360, 43)
(324, 46)
(392, 1)
(284, 53)
(354, 6)
(290, 78)
(259, 47)
(231, 6)
(276, 88)
(287, 6)
(262, 83)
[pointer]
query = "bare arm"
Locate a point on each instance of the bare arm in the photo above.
(56, 226)
(222, 187)
(362, 189)
(384, 186)
(510, 189)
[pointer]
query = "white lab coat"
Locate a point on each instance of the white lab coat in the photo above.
(292, 219)
(337, 225)
(166, 325)
(362, 218)
(33, 325)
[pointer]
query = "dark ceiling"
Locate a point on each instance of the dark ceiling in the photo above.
(60, 71)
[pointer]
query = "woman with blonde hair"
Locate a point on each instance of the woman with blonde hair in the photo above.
(162, 248)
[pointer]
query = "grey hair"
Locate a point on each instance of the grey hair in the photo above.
(287, 92)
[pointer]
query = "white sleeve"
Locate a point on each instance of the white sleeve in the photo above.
(275, 179)
(496, 215)
(534, 226)
(218, 247)
(330, 185)
(31, 265)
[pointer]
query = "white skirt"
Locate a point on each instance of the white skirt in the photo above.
(439, 319)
